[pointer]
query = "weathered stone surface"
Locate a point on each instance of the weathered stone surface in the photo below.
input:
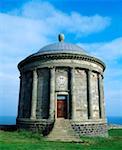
(41, 126)
(93, 129)
(26, 95)
(74, 77)
(81, 94)
(63, 131)
(34, 95)
(52, 94)
(61, 79)
(94, 96)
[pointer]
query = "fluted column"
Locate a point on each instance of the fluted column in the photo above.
(34, 95)
(102, 101)
(73, 93)
(89, 88)
(52, 93)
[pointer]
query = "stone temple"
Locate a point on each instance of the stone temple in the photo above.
(62, 93)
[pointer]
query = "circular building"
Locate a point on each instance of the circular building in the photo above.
(62, 83)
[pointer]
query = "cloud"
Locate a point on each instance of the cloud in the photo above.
(37, 23)
(55, 20)
(24, 30)
(109, 51)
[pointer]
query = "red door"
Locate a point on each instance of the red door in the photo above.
(61, 108)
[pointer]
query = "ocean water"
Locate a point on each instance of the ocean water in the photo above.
(12, 120)
(7, 120)
(114, 120)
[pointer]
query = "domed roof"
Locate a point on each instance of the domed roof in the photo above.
(61, 47)
(60, 50)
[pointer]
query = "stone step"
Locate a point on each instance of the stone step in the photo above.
(63, 131)
(69, 139)
(63, 139)
(61, 134)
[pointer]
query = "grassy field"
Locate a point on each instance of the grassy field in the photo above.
(27, 141)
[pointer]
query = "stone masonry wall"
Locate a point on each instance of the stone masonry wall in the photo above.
(92, 129)
(81, 129)
(42, 127)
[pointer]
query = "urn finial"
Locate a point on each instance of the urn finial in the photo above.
(61, 37)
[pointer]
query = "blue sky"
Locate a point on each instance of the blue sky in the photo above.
(26, 26)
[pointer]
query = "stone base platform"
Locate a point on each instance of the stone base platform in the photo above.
(90, 129)
(64, 128)
(42, 126)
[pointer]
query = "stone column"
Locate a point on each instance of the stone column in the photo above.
(99, 94)
(102, 101)
(21, 96)
(52, 94)
(34, 95)
(73, 93)
(89, 88)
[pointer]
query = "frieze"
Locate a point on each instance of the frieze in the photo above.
(46, 57)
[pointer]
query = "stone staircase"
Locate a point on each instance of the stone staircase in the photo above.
(63, 131)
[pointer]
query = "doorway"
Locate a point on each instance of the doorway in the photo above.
(62, 106)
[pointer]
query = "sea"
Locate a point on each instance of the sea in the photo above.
(11, 120)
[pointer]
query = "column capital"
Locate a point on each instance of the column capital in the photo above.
(100, 75)
(35, 69)
(22, 74)
(51, 67)
(20, 77)
(34, 72)
(88, 70)
(72, 68)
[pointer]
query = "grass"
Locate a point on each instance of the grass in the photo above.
(23, 140)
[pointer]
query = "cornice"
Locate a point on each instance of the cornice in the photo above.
(55, 56)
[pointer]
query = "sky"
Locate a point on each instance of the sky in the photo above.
(28, 25)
